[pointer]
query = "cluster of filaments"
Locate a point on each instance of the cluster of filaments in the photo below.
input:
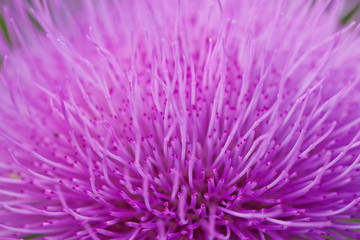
(222, 135)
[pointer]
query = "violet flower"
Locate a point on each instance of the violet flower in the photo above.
(179, 120)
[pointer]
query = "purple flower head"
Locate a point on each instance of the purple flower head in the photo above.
(179, 120)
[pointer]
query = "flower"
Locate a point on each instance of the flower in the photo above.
(179, 120)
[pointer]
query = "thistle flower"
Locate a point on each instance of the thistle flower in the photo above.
(179, 120)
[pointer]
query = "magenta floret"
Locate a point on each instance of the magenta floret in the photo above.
(179, 120)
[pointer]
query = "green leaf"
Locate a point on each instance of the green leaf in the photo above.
(353, 220)
(346, 19)
(35, 22)
(5, 30)
(329, 238)
(32, 236)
